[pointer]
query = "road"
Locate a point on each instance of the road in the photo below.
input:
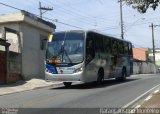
(110, 94)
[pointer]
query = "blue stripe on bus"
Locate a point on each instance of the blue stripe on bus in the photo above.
(51, 69)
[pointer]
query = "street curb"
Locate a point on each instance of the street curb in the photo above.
(54, 85)
(140, 100)
(135, 75)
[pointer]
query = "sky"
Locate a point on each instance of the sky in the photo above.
(99, 15)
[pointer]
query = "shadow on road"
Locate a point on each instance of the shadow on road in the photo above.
(93, 85)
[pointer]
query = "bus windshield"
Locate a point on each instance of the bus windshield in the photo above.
(66, 47)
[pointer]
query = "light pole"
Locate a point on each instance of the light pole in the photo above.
(153, 26)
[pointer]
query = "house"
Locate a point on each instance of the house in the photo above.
(140, 54)
(27, 35)
(157, 56)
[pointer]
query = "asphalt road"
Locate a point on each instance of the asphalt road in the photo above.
(110, 94)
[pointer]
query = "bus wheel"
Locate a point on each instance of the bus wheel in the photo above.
(123, 75)
(67, 84)
(100, 76)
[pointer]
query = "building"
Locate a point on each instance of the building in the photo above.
(27, 35)
(140, 54)
(157, 56)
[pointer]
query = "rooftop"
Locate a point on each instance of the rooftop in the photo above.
(24, 16)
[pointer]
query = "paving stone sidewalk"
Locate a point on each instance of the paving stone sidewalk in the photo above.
(25, 85)
(150, 105)
(153, 102)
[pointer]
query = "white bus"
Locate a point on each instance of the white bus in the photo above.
(87, 56)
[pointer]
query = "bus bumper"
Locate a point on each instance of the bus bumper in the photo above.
(76, 77)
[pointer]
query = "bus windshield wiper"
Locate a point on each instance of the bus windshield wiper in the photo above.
(55, 56)
(62, 51)
(67, 56)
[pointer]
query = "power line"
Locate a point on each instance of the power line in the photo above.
(44, 17)
(10, 6)
(73, 13)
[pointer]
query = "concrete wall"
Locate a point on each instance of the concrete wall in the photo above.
(14, 60)
(32, 55)
(14, 67)
(144, 68)
(26, 47)
(32, 58)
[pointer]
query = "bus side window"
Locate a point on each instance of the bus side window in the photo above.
(107, 45)
(126, 48)
(90, 51)
(98, 43)
(130, 49)
(120, 47)
(114, 51)
(114, 47)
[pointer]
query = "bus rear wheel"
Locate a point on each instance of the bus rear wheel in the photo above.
(123, 75)
(67, 84)
(100, 76)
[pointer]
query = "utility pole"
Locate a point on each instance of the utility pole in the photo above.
(121, 18)
(153, 26)
(43, 8)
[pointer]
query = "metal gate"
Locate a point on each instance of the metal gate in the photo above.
(3, 67)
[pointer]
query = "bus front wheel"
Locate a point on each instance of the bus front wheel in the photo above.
(67, 84)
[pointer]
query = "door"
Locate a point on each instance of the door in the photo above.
(2, 67)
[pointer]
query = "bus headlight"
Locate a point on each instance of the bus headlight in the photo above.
(78, 70)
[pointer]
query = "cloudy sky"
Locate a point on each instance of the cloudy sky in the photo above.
(99, 15)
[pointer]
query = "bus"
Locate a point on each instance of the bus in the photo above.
(87, 56)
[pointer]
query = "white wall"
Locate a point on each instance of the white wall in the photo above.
(32, 56)
(143, 68)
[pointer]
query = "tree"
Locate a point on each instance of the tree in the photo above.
(143, 5)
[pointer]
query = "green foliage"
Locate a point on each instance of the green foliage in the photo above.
(142, 5)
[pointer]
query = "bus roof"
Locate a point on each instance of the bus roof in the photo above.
(93, 31)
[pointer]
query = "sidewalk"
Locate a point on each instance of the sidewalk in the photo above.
(152, 101)
(26, 85)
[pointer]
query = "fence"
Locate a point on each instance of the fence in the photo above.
(144, 68)
(14, 66)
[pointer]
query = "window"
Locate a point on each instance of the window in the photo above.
(43, 42)
(130, 49)
(107, 44)
(114, 47)
(120, 47)
(99, 43)
(125, 48)
(90, 51)
(90, 45)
